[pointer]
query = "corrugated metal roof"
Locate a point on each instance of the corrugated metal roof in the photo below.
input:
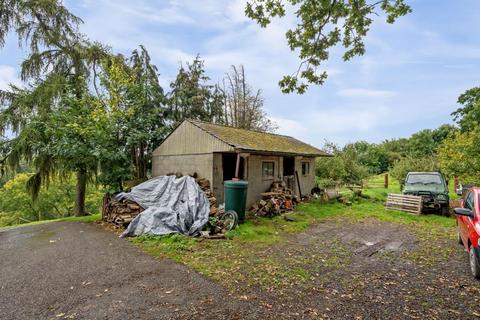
(250, 140)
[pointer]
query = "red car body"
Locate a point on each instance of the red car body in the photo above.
(468, 223)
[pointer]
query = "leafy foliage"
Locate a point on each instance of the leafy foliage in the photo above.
(399, 156)
(322, 26)
(37, 23)
(377, 158)
(342, 168)
(192, 97)
(16, 205)
(135, 105)
(468, 116)
(408, 164)
(57, 69)
(459, 155)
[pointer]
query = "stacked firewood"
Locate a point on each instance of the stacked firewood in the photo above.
(120, 213)
(278, 200)
(205, 186)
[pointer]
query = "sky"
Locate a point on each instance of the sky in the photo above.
(408, 80)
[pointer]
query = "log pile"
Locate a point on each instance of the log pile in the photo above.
(205, 186)
(119, 213)
(277, 201)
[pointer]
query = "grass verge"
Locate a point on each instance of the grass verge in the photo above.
(89, 218)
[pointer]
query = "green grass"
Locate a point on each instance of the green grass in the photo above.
(247, 252)
(89, 218)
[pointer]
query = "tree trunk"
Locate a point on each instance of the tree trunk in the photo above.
(80, 194)
(142, 166)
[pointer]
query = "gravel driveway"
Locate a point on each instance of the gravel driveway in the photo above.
(72, 270)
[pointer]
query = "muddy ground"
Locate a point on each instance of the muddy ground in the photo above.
(371, 270)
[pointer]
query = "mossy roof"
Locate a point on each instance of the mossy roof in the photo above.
(256, 141)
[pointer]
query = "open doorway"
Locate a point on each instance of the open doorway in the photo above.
(288, 166)
(289, 172)
(229, 161)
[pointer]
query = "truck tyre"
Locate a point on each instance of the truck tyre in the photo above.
(474, 264)
(445, 211)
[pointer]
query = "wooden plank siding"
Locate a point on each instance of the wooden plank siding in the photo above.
(403, 202)
(188, 139)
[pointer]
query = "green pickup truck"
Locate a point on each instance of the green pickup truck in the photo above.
(432, 187)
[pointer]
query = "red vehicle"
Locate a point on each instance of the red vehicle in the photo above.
(468, 222)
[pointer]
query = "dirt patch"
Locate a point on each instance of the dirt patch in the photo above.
(370, 269)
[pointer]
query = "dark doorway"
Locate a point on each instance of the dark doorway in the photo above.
(229, 165)
(288, 166)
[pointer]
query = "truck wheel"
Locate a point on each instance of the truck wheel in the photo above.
(445, 211)
(474, 265)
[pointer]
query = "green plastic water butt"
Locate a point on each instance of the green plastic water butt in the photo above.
(236, 197)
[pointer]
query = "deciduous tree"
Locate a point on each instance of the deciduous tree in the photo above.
(459, 155)
(243, 106)
(322, 25)
(468, 115)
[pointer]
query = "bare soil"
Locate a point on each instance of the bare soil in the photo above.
(371, 270)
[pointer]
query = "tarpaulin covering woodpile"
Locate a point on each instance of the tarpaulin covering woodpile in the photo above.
(278, 200)
(171, 205)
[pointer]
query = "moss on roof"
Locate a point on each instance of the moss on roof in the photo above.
(258, 141)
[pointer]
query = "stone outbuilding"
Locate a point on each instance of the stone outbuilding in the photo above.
(221, 153)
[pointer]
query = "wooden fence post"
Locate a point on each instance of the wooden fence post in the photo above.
(455, 183)
(385, 181)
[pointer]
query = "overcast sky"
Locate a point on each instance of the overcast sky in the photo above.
(408, 80)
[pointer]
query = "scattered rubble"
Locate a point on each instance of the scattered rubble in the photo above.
(278, 200)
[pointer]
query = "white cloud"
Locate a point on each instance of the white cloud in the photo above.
(365, 93)
(8, 75)
(289, 127)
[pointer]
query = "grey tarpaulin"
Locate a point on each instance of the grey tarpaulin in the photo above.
(172, 205)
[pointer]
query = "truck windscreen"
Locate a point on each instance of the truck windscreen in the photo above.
(424, 179)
